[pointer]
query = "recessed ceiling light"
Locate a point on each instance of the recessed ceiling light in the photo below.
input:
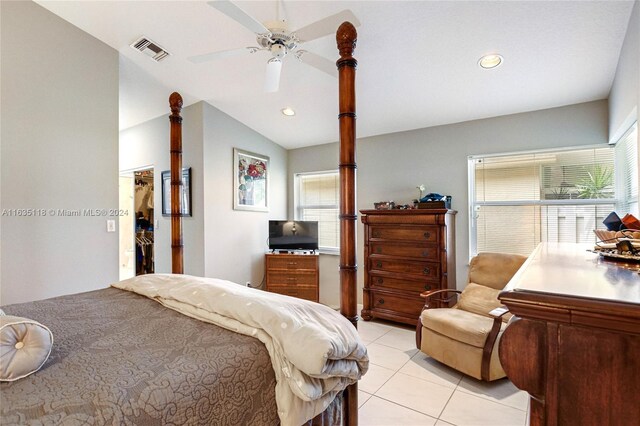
(490, 61)
(288, 111)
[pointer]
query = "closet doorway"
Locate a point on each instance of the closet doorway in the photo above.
(137, 228)
(144, 220)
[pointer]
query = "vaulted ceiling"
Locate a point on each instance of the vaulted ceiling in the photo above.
(418, 61)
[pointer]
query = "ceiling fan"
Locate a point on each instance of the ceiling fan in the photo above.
(276, 38)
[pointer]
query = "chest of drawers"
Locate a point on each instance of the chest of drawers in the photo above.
(406, 252)
(293, 274)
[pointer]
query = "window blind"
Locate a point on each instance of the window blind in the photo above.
(317, 198)
(518, 201)
(626, 157)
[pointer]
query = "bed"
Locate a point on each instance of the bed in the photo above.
(122, 358)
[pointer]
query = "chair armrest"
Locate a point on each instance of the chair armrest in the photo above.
(444, 300)
(499, 312)
(430, 293)
(497, 315)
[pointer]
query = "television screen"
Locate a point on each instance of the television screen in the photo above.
(293, 235)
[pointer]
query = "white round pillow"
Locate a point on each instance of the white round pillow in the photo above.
(25, 345)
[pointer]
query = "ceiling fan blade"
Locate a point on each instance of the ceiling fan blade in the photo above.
(272, 77)
(326, 26)
(198, 59)
(234, 12)
(282, 11)
(319, 62)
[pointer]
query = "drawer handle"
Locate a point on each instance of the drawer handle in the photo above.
(379, 264)
(427, 234)
(380, 280)
(427, 287)
(376, 234)
(425, 253)
(380, 301)
(379, 249)
(292, 263)
(426, 271)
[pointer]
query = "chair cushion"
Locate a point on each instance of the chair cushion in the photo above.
(458, 355)
(480, 300)
(459, 325)
(494, 269)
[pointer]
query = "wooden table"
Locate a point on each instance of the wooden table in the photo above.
(575, 344)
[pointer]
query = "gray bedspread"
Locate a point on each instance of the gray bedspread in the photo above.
(122, 359)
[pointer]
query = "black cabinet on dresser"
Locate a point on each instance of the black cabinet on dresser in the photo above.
(406, 252)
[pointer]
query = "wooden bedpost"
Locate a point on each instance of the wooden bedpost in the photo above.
(346, 39)
(177, 262)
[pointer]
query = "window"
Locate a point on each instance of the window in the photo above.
(317, 197)
(518, 201)
(627, 172)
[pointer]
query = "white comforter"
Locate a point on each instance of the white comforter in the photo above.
(315, 351)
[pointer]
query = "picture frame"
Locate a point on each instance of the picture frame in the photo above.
(186, 192)
(250, 181)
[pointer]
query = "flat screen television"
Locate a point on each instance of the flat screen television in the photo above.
(293, 235)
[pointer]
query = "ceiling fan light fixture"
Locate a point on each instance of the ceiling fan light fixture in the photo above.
(491, 61)
(288, 111)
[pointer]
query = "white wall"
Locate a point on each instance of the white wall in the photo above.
(218, 241)
(148, 144)
(59, 101)
(236, 241)
(391, 166)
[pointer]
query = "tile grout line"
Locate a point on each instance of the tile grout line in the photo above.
(449, 400)
(427, 380)
(484, 397)
(408, 408)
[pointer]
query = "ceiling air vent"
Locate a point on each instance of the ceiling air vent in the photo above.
(150, 48)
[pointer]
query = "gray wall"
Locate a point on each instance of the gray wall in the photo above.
(148, 145)
(391, 166)
(625, 91)
(59, 100)
(624, 99)
(236, 241)
(219, 241)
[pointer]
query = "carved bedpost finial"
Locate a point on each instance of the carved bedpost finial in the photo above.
(175, 102)
(346, 38)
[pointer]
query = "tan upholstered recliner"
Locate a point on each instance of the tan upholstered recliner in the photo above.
(466, 336)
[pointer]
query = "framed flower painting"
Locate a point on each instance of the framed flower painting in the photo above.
(250, 181)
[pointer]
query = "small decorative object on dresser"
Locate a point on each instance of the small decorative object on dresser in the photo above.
(406, 253)
(384, 205)
(295, 275)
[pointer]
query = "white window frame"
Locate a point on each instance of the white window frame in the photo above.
(298, 209)
(620, 184)
(471, 178)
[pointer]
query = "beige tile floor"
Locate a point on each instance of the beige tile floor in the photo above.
(406, 387)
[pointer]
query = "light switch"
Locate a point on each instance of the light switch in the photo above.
(111, 225)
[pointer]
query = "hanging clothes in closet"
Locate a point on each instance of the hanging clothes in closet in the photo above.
(144, 219)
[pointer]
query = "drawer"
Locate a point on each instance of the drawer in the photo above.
(383, 282)
(291, 262)
(405, 233)
(403, 250)
(404, 305)
(307, 293)
(291, 278)
(427, 270)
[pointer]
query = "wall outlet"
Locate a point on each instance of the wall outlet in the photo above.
(248, 284)
(111, 225)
